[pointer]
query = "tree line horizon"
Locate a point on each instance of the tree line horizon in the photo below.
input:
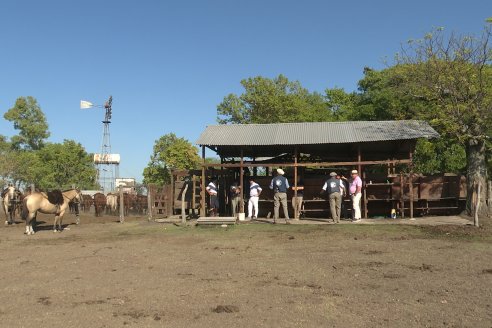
(442, 78)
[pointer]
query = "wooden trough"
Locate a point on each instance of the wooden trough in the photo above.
(216, 220)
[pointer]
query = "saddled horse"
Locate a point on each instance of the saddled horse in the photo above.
(39, 201)
(10, 196)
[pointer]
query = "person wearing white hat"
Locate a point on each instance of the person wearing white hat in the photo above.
(280, 185)
(355, 189)
(332, 187)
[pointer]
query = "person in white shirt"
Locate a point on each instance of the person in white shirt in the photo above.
(214, 200)
(254, 195)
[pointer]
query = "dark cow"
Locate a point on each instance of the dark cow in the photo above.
(87, 202)
(99, 203)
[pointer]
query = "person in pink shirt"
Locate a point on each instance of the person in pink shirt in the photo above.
(355, 188)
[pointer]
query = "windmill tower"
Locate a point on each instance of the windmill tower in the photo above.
(107, 163)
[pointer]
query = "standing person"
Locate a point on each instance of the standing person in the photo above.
(254, 195)
(234, 193)
(355, 188)
(332, 186)
(212, 190)
(297, 201)
(280, 184)
(343, 192)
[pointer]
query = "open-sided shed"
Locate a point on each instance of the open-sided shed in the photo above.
(354, 144)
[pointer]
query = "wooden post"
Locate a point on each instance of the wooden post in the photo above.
(149, 203)
(489, 197)
(193, 194)
(122, 205)
(477, 205)
(359, 159)
(411, 185)
(364, 194)
(402, 200)
(222, 182)
(296, 214)
(202, 189)
(183, 199)
(241, 183)
(172, 193)
(363, 177)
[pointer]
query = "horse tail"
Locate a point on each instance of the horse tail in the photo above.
(25, 211)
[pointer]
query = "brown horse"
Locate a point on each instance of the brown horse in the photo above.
(39, 202)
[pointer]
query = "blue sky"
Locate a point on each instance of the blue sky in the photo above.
(168, 64)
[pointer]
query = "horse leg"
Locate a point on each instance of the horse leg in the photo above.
(6, 211)
(54, 223)
(12, 214)
(29, 220)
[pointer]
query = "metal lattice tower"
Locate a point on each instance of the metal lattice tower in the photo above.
(107, 167)
(107, 163)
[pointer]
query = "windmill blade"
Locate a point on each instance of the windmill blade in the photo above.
(85, 104)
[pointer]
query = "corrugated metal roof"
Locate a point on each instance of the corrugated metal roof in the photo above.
(314, 133)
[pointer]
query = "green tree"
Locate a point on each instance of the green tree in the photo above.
(438, 156)
(341, 104)
(380, 98)
(170, 153)
(63, 165)
(31, 122)
(454, 72)
(275, 100)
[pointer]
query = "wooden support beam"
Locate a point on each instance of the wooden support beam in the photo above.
(202, 191)
(411, 184)
(267, 165)
(296, 214)
(193, 194)
(359, 160)
(402, 200)
(362, 175)
(150, 202)
(241, 183)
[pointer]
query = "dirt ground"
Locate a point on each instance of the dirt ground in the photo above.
(102, 273)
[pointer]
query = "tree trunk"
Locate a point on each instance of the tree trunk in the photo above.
(476, 172)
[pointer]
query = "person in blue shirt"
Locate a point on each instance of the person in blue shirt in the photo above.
(280, 185)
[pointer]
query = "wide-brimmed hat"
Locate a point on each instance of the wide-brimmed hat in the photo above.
(355, 172)
(280, 171)
(333, 174)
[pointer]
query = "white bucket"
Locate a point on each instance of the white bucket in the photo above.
(240, 216)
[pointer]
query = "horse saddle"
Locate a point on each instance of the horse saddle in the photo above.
(55, 197)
